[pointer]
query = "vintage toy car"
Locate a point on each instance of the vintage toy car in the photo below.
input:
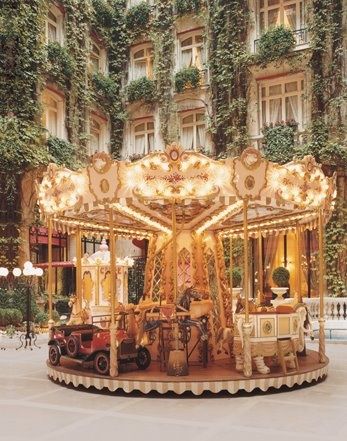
(89, 343)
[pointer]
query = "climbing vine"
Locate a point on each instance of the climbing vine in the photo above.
(229, 59)
(163, 37)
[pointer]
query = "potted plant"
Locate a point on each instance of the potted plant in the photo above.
(236, 280)
(280, 276)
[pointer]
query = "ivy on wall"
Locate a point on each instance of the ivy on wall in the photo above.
(279, 141)
(142, 89)
(228, 60)
(162, 35)
(276, 43)
(187, 6)
(188, 77)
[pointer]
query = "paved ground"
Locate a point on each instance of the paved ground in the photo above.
(34, 408)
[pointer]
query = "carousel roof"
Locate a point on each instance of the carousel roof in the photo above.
(207, 194)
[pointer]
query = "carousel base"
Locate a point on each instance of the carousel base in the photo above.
(219, 376)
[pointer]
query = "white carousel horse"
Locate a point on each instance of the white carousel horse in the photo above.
(78, 317)
(224, 337)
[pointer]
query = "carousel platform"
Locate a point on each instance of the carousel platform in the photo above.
(219, 376)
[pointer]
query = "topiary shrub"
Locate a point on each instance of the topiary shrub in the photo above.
(187, 6)
(280, 276)
(142, 89)
(276, 43)
(236, 277)
(188, 77)
(279, 140)
(137, 19)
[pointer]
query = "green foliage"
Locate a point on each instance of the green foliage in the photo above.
(237, 276)
(16, 298)
(279, 141)
(63, 152)
(22, 57)
(335, 250)
(229, 61)
(10, 316)
(41, 318)
(187, 6)
(142, 89)
(163, 39)
(138, 18)
(274, 44)
(21, 145)
(188, 77)
(62, 306)
(60, 65)
(280, 276)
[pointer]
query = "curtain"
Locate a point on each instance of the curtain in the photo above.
(271, 244)
(273, 18)
(292, 108)
(139, 69)
(290, 17)
(150, 142)
(198, 58)
(275, 110)
(187, 58)
(200, 136)
(140, 144)
(187, 138)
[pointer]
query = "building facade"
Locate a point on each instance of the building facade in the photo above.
(129, 77)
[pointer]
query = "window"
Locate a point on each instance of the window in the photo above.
(289, 13)
(98, 136)
(54, 26)
(143, 137)
(97, 58)
(193, 130)
(191, 51)
(53, 113)
(142, 62)
(282, 100)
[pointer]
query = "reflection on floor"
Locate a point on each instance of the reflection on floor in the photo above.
(34, 408)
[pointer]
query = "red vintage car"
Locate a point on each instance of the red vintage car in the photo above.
(89, 343)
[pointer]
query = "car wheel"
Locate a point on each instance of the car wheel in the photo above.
(72, 346)
(143, 359)
(54, 354)
(102, 363)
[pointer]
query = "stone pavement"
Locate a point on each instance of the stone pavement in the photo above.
(34, 408)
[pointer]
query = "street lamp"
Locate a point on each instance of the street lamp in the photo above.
(28, 271)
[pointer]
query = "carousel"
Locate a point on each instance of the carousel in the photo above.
(192, 331)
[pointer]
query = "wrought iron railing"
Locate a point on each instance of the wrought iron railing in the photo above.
(300, 35)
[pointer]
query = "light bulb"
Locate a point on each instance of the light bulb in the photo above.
(39, 272)
(16, 272)
(28, 264)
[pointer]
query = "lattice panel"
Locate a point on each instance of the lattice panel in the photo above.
(157, 278)
(184, 270)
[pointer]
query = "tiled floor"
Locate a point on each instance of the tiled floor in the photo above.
(34, 408)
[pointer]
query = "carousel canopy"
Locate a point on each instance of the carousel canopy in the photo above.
(206, 194)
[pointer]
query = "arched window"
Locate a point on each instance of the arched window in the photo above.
(193, 128)
(97, 58)
(141, 62)
(53, 113)
(54, 25)
(98, 135)
(191, 50)
(143, 137)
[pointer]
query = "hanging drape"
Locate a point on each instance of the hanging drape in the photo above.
(187, 58)
(290, 17)
(292, 108)
(139, 69)
(150, 139)
(140, 144)
(200, 136)
(271, 244)
(187, 138)
(275, 110)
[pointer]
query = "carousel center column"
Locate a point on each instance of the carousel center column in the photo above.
(246, 326)
(113, 327)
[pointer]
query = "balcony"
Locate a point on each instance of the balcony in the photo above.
(300, 35)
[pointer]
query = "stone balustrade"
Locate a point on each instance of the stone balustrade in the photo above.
(335, 308)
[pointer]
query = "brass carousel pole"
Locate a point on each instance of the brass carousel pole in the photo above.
(50, 277)
(174, 249)
(247, 326)
(322, 357)
(113, 327)
(260, 266)
(79, 268)
(231, 272)
(298, 262)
